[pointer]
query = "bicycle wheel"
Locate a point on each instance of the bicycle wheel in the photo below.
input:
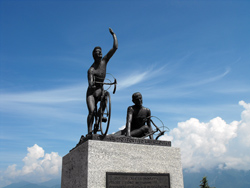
(105, 114)
(158, 131)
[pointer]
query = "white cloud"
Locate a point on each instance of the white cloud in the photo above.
(122, 127)
(214, 144)
(38, 167)
(244, 129)
(137, 76)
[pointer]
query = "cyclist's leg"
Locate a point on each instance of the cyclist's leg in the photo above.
(103, 101)
(121, 132)
(140, 132)
(91, 108)
(103, 105)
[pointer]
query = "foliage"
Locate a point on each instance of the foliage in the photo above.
(204, 183)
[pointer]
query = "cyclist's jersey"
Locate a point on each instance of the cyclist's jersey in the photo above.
(139, 116)
(99, 73)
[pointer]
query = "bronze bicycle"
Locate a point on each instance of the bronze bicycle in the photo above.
(157, 131)
(102, 112)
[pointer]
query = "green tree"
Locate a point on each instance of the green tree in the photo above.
(204, 183)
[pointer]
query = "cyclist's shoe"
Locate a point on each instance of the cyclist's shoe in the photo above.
(104, 120)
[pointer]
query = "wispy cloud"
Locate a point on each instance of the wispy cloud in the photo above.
(132, 79)
(62, 103)
(60, 95)
(184, 87)
(137, 77)
(207, 80)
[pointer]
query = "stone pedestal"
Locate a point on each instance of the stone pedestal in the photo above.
(87, 165)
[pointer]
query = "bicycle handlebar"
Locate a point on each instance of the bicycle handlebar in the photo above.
(112, 83)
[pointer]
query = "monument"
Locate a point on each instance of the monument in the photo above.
(124, 159)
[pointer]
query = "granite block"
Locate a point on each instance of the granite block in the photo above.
(86, 165)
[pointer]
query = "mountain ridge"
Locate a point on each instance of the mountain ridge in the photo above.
(216, 178)
(54, 183)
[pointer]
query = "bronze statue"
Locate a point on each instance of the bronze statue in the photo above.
(138, 122)
(96, 76)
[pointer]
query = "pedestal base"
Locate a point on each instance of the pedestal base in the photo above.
(87, 165)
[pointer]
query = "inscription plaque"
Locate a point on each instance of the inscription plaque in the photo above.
(137, 180)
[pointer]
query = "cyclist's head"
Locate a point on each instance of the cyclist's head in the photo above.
(97, 52)
(137, 98)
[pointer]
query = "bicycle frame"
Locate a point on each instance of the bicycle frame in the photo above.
(104, 110)
(161, 132)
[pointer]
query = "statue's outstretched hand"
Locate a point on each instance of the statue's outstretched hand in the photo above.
(111, 31)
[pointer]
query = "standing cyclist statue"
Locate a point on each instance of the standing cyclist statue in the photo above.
(97, 73)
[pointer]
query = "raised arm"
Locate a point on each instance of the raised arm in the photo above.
(115, 47)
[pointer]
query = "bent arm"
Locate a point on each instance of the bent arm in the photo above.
(113, 50)
(91, 78)
(149, 124)
(129, 121)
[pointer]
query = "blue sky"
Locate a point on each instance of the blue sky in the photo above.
(189, 59)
